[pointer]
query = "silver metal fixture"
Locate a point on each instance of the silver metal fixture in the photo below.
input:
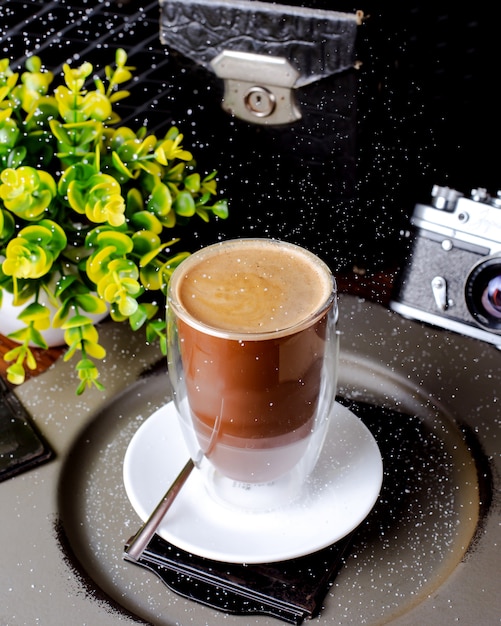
(257, 88)
(439, 287)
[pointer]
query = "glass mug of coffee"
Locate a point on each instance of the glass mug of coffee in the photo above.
(252, 358)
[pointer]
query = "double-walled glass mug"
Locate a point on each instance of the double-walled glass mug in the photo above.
(252, 358)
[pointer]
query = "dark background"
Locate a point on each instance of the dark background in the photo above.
(426, 112)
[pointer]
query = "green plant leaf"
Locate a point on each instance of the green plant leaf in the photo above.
(97, 263)
(63, 283)
(145, 312)
(160, 201)
(163, 344)
(124, 266)
(90, 303)
(152, 277)
(144, 220)
(220, 209)
(154, 329)
(174, 261)
(192, 183)
(138, 318)
(120, 57)
(176, 173)
(115, 314)
(97, 106)
(60, 132)
(34, 312)
(16, 156)
(95, 350)
(134, 201)
(145, 241)
(169, 220)
(73, 347)
(77, 321)
(128, 306)
(88, 374)
(14, 353)
(130, 285)
(119, 95)
(30, 360)
(148, 257)
(16, 374)
(184, 204)
(62, 313)
(120, 166)
(202, 213)
(88, 132)
(8, 225)
(151, 167)
(19, 335)
(120, 242)
(37, 338)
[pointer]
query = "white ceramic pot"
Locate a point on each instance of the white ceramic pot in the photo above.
(9, 322)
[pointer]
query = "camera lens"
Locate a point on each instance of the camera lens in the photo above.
(483, 293)
(491, 298)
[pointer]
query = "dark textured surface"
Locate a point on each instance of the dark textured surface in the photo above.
(299, 178)
(289, 590)
(317, 43)
(426, 114)
(21, 445)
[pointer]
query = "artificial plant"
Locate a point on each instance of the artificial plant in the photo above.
(87, 210)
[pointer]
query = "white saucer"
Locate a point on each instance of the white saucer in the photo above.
(337, 497)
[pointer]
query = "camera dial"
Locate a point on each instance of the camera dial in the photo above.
(483, 293)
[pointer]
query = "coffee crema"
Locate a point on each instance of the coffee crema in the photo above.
(253, 286)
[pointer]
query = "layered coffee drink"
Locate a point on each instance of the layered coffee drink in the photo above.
(253, 318)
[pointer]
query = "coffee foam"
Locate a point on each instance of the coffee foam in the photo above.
(253, 286)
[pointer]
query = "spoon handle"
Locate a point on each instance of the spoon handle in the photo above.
(143, 536)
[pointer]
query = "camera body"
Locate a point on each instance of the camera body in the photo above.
(452, 277)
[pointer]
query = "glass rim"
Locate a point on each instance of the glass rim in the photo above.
(181, 312)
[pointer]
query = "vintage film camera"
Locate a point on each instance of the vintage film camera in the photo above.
(452, 277)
